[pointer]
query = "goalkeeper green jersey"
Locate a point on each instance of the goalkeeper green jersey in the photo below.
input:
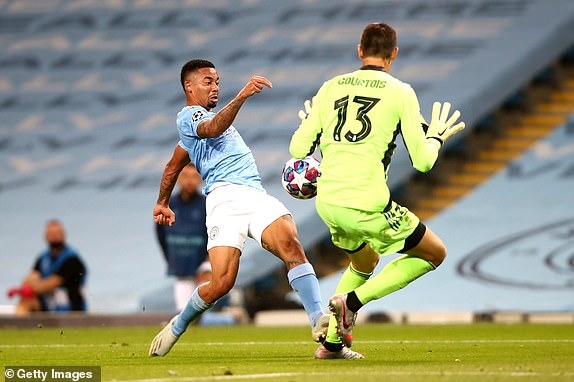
(355, 119)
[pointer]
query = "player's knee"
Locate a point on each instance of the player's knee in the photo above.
(439, 255)
(221, 286)
(288, 248)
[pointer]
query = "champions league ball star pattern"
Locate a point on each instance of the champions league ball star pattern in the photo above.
(299, 177)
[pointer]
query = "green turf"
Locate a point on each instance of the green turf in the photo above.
(426, 353)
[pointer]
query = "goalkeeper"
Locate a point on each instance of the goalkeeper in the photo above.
(355, 119)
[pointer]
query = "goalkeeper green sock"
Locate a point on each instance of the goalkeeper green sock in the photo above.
(350, 280)
(395, 275)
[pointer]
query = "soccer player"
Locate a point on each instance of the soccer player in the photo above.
(355, 119)
(237, 204)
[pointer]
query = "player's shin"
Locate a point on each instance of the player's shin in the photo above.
(192, 310)
(395, 275)
(351, 280)
(303, 280)
(332, 333)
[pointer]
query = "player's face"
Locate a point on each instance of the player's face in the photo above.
(203, 87)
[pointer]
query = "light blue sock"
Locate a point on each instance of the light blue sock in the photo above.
(303, 280)
(192, 310)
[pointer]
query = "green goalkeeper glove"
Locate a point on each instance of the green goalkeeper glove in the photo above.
(442, 127)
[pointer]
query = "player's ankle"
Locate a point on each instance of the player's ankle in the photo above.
(353, 302)
(332, 346)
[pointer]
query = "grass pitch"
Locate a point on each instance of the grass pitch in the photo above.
(429, 353)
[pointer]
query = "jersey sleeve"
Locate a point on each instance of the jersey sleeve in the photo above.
(189, 119)
(423, 154)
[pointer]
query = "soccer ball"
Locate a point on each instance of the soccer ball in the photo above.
(299, 177)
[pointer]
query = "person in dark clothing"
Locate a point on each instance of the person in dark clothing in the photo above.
(57, 279)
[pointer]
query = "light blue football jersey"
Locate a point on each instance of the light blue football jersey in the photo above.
(223, 159)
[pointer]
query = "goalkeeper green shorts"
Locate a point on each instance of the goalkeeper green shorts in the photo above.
(394, 230)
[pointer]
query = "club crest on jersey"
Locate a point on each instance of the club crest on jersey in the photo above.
(197, 115)
(213, 233)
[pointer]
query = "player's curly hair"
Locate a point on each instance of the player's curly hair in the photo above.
(378, 40)
(192, 65)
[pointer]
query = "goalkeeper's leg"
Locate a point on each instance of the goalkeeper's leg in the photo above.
(419, 260)
(339, 333)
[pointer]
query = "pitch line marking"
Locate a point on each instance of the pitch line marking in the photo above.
(288, 343)
(215, 377)
(512, 374)
(388, 342)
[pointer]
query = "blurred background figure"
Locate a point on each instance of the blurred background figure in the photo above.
(57, 279)
(184, 244)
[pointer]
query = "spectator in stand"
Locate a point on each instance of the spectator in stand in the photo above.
(56, 282)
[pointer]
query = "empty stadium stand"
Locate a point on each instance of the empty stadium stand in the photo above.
(518, 124)
(88, 96)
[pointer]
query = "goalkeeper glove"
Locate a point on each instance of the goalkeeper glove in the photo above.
(442, 127)
(304, 113)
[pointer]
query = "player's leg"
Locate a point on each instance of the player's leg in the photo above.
(397, 274)
(431, 248)
(346, 234)
(404, 233)
(361, 267)
(394, 276)
(226, 224)
(281, 239)
(223, 209)
(224, 266)
(332, 347)
(273, 227)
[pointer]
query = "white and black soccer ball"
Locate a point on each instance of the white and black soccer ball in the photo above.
(299, 177)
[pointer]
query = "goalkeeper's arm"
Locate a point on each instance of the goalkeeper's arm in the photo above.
(425, 140)
(306, 138)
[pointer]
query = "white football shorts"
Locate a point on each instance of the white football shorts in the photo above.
(235, 212)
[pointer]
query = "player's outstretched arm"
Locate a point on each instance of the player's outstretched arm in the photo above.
(224, 118)
(162, 214)
(442, 127)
